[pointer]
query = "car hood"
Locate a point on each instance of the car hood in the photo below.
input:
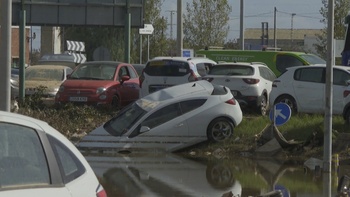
(49, 84)
(88, 83)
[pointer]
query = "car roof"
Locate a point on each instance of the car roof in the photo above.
(104, 62)
(55, 67)
(187, 90)
(242, 63)
(321, 65)
(182, 58)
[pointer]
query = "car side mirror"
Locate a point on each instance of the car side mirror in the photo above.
(144, 129)
(125, 78)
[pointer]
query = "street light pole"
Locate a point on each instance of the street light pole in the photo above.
(291, 30)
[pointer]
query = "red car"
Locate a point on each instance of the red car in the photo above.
(100, 83)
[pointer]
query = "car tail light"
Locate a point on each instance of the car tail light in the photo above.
(346, 93)
(251, 80)
(192, 77)
(231, 101)
(274, 83)
(100, 192)
(141, 79)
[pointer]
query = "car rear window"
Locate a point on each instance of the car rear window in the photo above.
(231, 70)
(171, 68)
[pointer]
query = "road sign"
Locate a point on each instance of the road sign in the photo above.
(79, 58)
(75, 46)
(280, 114)
(148, 29)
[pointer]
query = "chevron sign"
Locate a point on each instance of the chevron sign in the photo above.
(79, 58)
(75, 46)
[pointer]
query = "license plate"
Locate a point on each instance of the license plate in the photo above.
(78, 99)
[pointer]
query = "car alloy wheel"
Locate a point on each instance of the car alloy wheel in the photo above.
(290, 101)
(262, 108)
(219, 129)
(116, 102)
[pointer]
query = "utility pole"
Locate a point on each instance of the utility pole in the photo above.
(171, 28)
(274, 29)
(241, 33)
(179, 29)
(291, 30)
(5, 55)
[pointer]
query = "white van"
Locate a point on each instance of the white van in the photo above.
(162, 72)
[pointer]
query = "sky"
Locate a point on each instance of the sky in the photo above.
(307, 14)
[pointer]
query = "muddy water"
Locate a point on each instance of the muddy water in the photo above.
(171, 175)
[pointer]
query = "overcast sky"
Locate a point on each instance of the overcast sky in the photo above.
(307, 14)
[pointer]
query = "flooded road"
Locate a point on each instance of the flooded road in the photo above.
(172, 175)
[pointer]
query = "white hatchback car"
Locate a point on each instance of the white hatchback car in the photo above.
(37, 160)
(169, 119)
(163, 72)
(250, 83)
(303, 89)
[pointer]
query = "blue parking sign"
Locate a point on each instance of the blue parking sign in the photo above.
(280, 114)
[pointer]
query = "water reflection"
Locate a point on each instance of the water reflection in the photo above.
(172, 175)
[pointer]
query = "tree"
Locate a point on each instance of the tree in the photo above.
(341, 9)
(113, 38)
(206, 23)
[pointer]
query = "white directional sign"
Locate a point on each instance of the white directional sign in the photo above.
(79, 58)
(75, 46)
(148, 29)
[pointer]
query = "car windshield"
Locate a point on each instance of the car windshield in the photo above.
(44, 74)
(231, 70)
(94, 71)
(313, 59)
(124, 120)
(169, 68)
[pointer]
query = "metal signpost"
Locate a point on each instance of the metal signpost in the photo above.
(147, 30)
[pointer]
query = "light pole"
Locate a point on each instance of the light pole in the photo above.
(291, 30)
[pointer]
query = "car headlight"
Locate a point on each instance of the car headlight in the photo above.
(100, 90)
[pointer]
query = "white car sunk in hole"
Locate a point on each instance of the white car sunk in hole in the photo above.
(169, 119)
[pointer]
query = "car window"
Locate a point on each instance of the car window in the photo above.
(340, 77)
(123, 71)
(187, 106)
(285, 61)
(41, 74)
(132, 72)
(309, 74)
(167, 68)
(162, 115)
(231, 70)
(267, 74)
(70, 166)
(124, 120)
(22, 159)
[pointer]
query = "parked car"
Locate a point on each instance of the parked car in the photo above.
(37, 160)
(250, 83)
(303, 89)
(45, 78)
(163, 72)
(170, 119)
(100, 83)
(14, 82)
